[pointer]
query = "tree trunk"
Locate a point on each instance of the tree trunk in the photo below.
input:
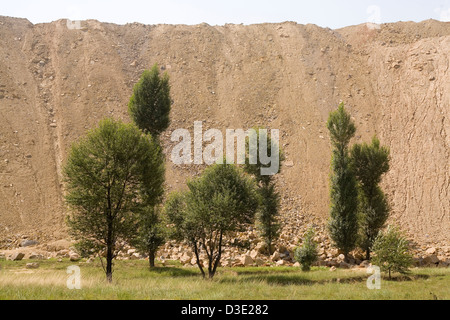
(269, 243)
(151, 258)
(109, 258)
(198, 260)
(368, 254)
(219, 256)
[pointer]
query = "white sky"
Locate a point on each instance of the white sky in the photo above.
(325, 13)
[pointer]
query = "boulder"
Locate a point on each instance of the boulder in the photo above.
(36, 256)
(259, 262)
(431, 251)
(74, 257)
(281, 263)
(246, 260)
(431, 259)
(17, 256)
(297, 265)
(275, 256)
(444, 264)
(261, 247)
(254, 254)
(32, 265)
(28, 243)
(63, 253)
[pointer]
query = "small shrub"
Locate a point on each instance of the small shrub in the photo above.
(391, 251)
(307, 254)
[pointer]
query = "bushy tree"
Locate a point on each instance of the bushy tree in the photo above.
(151, 233)
(221, 201)
(343, 223)
(110, 175)
(307, 254)
(267, 216)
(149, 108)
(370, 163)
(392, 252)
(150, 104)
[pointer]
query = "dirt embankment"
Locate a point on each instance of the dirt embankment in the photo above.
(57, 82)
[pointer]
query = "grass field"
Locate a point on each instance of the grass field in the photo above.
(132, 280)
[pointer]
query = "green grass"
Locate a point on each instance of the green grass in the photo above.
(133, 280)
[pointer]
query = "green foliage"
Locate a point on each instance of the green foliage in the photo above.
(370, 162)
(255, 169)
(150, 104)
(267, 217)
(391, 251)
(307, 254)
(151, 234)
(109, 175)
(221, 201)
(341, 128)
(343, 223)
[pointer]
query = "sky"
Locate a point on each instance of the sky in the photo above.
(325, 13)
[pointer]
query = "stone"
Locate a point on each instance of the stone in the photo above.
(246, 260)
(340, 258)
(281, 263)
(254, 254)
(431, 259)
(36, 256)
(431, 250)
(32, 265)
(28, 243)
(344, 265)
(259, 262)
(297, 265)
(74, 256)
(63, 253)
(17, 256)
(275, 256)
(443, 264)
(333, 269)
(289, 164)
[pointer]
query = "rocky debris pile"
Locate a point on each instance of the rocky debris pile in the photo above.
(246, 250)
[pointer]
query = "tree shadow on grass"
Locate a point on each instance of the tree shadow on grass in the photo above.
(175, 272)
(288, 280)
(407, 277)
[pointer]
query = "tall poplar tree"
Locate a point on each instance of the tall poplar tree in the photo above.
(343, 222)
